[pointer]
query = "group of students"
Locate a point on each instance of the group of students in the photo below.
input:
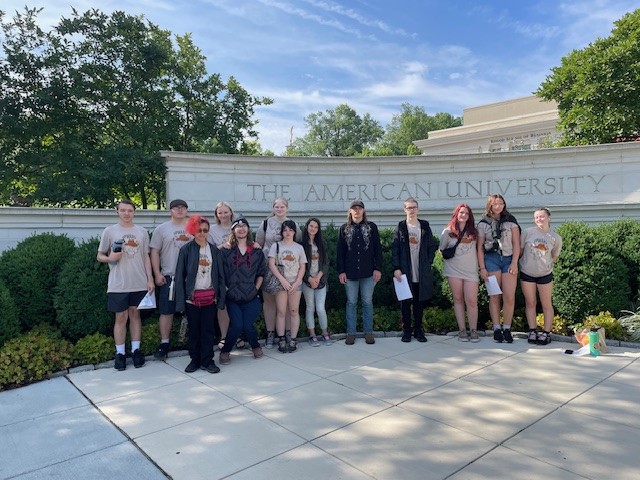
(496, 247)
(221, 277)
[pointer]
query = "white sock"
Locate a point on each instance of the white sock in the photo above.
(507, 327)
(497, 327)
(164, 340)
(120, 349)
(135, 345)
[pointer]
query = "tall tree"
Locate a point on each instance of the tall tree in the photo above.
(86, 107)
(412, 124)
(338, 132)
(596, 88)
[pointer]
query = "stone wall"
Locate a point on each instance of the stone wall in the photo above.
(592, 184)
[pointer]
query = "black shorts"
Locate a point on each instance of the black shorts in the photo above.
(121, 301)
(537, 280)
(165, 306)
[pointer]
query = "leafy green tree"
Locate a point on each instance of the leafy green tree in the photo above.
(338, 132)
(596, 88)
(412, 124)
(86, 107)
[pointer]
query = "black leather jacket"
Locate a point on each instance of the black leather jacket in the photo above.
(186, 270)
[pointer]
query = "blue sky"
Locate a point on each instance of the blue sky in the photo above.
(374, 55)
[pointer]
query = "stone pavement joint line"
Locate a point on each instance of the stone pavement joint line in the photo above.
(438, 410)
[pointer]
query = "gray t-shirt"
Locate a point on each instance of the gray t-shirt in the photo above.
(538, 251)
(464, 263)
(487, 230)
(218, 235)
(129, 273)
(292, 257)
(415, 234)
(168, 238)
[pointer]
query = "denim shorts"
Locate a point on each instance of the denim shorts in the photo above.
(494, 262)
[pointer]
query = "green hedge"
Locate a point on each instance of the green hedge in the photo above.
(80, 297)
(30, 272)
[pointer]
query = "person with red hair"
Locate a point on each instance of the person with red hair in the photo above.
(461, 270)
(200, 293)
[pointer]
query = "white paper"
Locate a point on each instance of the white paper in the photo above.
(403, 290)
(149, 301)
(492, 286)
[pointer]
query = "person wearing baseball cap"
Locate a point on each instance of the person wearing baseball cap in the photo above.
(244, 268)
(359, 265)
(166, 241)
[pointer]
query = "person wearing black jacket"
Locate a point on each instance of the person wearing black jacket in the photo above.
(200, 292)
(413, 250)
(244, 268)
(359, 264)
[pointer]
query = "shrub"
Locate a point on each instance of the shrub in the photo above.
(439, 321)
(93, 349)
(33, 356)
(623, 238)
(589, 276)
(80, 297)
(30, 272)
(613, 329)
(631, 322)
(387, 319)
(558, 325)
(9, 320)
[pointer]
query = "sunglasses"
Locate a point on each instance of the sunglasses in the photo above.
(203, 230)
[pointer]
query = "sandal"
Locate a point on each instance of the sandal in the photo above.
(533, 337)
(221, 343)
(240, 344)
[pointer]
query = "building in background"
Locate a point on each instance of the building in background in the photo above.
(526, 123)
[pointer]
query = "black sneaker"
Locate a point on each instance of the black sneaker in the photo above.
(498, 336)
(406, 336)
(162, 352)
(419, 335)
(282, 346)
(192, 367)
(211, 368)
(138, 358)
(293, 346)
(507, 335)
(121, 362)
(544, 338)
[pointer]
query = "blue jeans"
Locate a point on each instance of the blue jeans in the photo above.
(365, 286)
(314, 298)
(242, 317)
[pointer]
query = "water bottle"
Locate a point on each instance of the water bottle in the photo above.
(594, 342)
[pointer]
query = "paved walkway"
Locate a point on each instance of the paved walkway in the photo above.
(440, 410)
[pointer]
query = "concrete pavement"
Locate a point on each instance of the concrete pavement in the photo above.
(439, 410)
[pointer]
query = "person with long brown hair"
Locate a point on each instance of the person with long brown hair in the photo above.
(314, 286)
(461, 269)
(359, 265)
(498, 253)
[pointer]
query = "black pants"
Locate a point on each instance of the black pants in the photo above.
(201, 321)
(417, 306)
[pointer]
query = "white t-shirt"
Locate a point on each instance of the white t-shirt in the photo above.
(129, 273)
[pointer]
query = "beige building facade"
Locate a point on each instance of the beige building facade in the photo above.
(519, 124)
